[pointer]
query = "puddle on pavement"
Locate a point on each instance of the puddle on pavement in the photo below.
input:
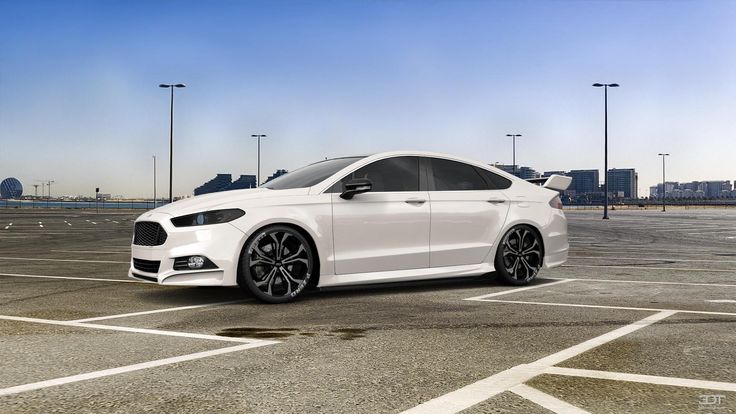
(345, 334)
(261, 333)
(348, 334)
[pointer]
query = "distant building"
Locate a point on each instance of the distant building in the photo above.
(219, 183)
(11, 188)
(584, 181)
(245, 181)
(623, 182)
(715, 189)
(693, 190)
(276, 174)
(525, 173)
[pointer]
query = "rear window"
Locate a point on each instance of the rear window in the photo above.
(494, 181)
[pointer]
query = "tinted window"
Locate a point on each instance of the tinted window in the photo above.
(455, 176)
(311, 174)
(494, 181)
(391, 174)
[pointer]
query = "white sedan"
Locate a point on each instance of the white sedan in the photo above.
(389, 217)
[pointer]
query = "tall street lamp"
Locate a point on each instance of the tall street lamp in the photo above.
(513, 139)
(259, 136)
(664, 185)
(154, 181)
(605, 87)
(171, 136)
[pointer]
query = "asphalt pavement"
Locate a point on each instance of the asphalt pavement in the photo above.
(642, 318)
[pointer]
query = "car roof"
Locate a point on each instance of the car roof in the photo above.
(367, 159)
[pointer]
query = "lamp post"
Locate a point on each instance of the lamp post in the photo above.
(258, 137)
(171, 136)
(664, 183)
(154, 181)
(513, 139)
(605, 87)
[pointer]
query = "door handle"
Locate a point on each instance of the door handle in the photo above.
(496, 201)
(417, 201)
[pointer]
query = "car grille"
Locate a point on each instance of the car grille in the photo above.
(149, 266)
(149, 233)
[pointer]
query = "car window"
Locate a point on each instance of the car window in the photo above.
(387, 175)
(311, 174)
(456, 176)
(494, 181)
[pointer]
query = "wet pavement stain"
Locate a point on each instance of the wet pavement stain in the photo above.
(345, 334)
(261, 333)
(348, 334)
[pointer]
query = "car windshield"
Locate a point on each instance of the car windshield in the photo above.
(311, 174)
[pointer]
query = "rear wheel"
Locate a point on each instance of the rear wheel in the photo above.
(519, 257)
(276, 264)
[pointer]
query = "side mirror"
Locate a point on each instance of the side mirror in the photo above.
(356, 186)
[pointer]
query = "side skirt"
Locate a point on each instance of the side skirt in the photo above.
(405, 275)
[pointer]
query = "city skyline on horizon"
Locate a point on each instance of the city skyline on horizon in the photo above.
(80, 103)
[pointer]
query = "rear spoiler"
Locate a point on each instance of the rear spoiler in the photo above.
(553, 182)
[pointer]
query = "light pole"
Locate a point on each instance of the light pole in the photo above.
(50, 181)
(258, 137)
(171, 136)
(605, 87)
(513, 139)
(154, 181)
(664, 183)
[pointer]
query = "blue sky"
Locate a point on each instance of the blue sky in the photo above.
(79, 101)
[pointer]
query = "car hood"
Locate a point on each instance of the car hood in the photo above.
(229, 199)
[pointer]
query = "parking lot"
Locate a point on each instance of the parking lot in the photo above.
(640, 319)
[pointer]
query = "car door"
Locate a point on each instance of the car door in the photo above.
(386, 228)
(468, 211)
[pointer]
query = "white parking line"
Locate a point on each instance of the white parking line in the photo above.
(682, 269)
(129, 368)
(126, 315)
(37, 259)
(646, 282)
(647, 379)
(651, 259)
(128, 329)
(91, 279)
(91, 251)
(604, 251)
(507, 292)
(484, 389)
(545, 400)
(580, 305)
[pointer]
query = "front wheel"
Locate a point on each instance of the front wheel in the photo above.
(519, 256)
(276, 264)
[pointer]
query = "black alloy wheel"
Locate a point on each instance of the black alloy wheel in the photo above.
(520, 255)
(276, 264)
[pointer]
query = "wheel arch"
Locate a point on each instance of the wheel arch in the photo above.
(535, 228)
(314, 280)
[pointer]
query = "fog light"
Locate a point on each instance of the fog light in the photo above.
(195, 262)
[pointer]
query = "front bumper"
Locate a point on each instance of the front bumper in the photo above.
(220, 243)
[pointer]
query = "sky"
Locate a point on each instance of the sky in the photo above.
(80, 102)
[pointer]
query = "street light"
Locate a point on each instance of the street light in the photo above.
(513, 138)
(154, 181)
(664, 185)
(259, 136)
(605, 87)
(171, 136)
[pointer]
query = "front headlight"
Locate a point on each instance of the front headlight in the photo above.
(208, 217)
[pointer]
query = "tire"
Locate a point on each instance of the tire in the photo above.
(276, 264)
(519, 266)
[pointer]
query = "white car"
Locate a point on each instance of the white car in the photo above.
(389, 217)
